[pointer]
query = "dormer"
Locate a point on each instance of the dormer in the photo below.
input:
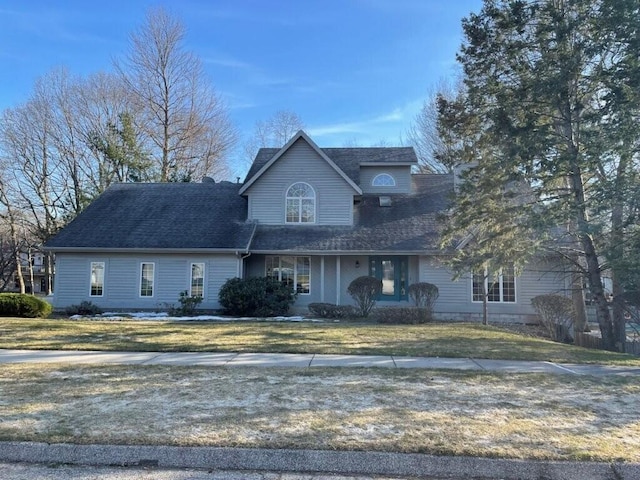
(387, 171)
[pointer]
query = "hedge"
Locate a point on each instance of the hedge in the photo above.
(22, 305)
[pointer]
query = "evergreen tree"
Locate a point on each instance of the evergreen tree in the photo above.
(547, 131)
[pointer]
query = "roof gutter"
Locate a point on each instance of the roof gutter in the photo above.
(138, 250)
(336, 253)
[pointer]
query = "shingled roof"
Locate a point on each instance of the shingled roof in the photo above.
(347, 159)
(409, 225)
(180, 216)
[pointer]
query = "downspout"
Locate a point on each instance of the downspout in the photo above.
(337, 279)
(247, 253)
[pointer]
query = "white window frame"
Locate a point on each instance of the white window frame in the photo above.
(91, 267)
(153, 279)
(294, 261)
(191, 278)
(379, 182)
(299, 200)
(500, 281)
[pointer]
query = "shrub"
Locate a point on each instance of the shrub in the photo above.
(364, 290)
(424, 296)
(257, 296)
(188, 305)
(401, 315)
(84, 308)
(556, 315)
(329, 310)
(22, 305)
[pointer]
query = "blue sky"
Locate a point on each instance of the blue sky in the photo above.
(353, 70)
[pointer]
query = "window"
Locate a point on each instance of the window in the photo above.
(500, 288)
(97, 279)
(383, 180)
(146, 279)
(301, 204)
(292, 271)
(197, 280)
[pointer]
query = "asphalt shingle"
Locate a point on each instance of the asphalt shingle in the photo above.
(161, 216)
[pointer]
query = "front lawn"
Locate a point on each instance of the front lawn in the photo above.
(440, 412)
(464, 340)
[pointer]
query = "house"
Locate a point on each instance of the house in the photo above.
(315, 218)
(34, 272)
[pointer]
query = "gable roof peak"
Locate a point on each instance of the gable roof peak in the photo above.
(299, 135)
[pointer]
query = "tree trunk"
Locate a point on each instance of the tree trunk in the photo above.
(617, 240)
(577, 295)
(16, 250)
(619, 322)
(30, 270)
(48, 273)
(594, 276)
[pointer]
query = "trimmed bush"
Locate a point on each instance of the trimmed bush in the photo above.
(329, 310)
(22, 305)
(424, 296)
(85, 308)
(365, 290)
(401, 315)
(255, 297)
(557, 315)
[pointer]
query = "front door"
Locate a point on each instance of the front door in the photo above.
(392, 271)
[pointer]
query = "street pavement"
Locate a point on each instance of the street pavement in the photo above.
(28, 471)
(31, 460)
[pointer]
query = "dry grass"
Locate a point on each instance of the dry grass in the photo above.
(452, 413)
(436, 339)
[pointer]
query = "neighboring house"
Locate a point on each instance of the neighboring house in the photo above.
(315, 218)
(34, 275)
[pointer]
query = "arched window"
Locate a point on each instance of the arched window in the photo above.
(301, 204)
(383, 180)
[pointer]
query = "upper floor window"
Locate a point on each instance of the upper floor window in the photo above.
(383, 180)
(301, 204)
(500, 288)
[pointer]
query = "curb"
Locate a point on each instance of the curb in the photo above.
(313, 461)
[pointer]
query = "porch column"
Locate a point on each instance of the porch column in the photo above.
(322, 279)
(337, 279)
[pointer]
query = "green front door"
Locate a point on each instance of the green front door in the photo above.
(392, 271)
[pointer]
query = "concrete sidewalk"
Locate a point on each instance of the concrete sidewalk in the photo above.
(293, 360)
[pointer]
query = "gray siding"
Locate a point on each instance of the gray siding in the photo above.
(455, 301)
(401, 174)
(122, 279)
(334, 196)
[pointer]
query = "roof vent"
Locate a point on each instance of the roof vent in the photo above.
(385, 201)
(208, 180)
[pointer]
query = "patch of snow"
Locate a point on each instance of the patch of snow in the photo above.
(164, 316)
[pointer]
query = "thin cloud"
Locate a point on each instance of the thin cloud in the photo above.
(228, 62)
(373, 129)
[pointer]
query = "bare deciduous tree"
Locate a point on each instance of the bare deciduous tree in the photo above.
(186, 122)
(273, 132)
(423, 133)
